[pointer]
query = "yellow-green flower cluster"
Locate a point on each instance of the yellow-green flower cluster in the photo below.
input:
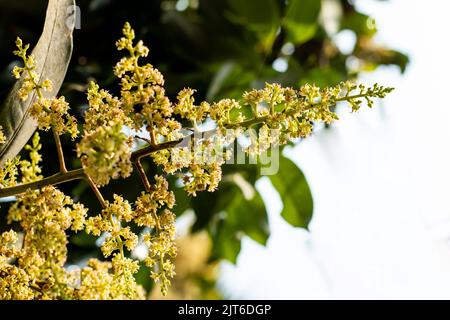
(161, 242)
(104, 110)
(142, 92)
(105, 154)
(202, 177)
(15, 283)
(115, 279)
(287, 113)
(49, 113)
(148, 204)
(39, 272)
(9, 172)
(8, 249)
(109, 280)
(110, 222)
(54, 114)
(30, 81)
(186, 108)
(30, 170)
(44, 216)
(152, 211)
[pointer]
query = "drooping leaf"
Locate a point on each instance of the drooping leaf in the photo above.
(247, 212)
(52, 53)
(301, 20)
(294, 191)
(226, 244)
(240, 211)
(360, 23)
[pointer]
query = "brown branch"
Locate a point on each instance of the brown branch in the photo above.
(97, 192)
(79, 174)
(52, 180)
(138, 155)
(142, 174)
(62, 164)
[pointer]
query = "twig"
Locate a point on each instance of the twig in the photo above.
(62, 164)
(142, 174)
(55, 179)
(97, 192)
(136, 156)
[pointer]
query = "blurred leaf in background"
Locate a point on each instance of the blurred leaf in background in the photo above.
(221, 48)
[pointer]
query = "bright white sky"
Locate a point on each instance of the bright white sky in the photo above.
(380, 180)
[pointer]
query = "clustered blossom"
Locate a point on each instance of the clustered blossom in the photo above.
(9, 172)
(110, 222)
(53, 113)
(30, 169)
(104, 110)
(161, 241)
(39, 273)
(142, 92)
(105, 154)
(186, 108)
(49, 113)
(103, 280)
(44, 216)
(32, 262)
(151, 210)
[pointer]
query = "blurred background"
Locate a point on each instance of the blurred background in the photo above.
(358, 210)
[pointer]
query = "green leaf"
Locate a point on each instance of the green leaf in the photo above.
(360, 23)
(301, 20)
(260, 16)
(226, 244)
(294, 191)
(240, 211)
(247, 212)
(52, 53)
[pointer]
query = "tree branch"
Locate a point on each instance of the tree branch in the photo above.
(136, 156)
(142, 174)
(97, 192)
(53, 180)
(79, 174)
(62, 164)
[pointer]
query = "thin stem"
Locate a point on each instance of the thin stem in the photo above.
(97, 192)
(151, 130)
(78, 174)
(62, 164)
(142, 174)
(347, 98)
(150, 149)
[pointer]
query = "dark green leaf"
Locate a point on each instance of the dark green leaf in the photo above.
(360, 23)
(241, 211)
(294, 192)
(260, 16)
(301, 20)
(226, 244)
